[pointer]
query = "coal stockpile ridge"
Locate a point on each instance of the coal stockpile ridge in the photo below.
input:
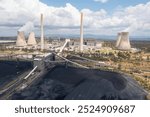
(10, 69)
(77, 83)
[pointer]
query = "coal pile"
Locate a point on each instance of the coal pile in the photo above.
(10, 69)
(82, 84)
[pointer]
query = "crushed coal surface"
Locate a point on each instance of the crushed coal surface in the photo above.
(9, 70)
(82, 84)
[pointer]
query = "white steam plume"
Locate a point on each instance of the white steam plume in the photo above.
(28, 27)
(134, 27)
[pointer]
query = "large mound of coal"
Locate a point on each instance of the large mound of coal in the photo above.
(87, 84)
(10, 69)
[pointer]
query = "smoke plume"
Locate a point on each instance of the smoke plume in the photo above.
(134, 27)
(28, 27)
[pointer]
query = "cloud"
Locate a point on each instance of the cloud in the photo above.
(28, 27)
(102, 1)
(21, 11)
(136, 17)
(66, 19)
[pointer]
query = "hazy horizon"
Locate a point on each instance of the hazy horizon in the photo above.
(101, 37)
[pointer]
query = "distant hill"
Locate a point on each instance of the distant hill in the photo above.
(101, 37)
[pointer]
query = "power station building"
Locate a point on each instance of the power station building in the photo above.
(79, 44)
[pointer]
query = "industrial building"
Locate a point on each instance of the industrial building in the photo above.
(79, 45)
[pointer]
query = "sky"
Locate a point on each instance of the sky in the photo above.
(108, 5)
(62, 17)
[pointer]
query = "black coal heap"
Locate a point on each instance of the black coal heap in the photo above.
(83, 84)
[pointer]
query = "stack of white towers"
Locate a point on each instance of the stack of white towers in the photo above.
(21, 39)
(31, 39)
(123, 42)
(81, 33)
(42, 34)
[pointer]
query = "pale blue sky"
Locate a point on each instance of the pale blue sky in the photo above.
(91, 4)
(62, 16)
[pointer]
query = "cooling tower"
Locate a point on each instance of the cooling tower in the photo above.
(124, 43)
(21, 39)
(118, 39)
(42, 33)
(31, 39)
(81, 33)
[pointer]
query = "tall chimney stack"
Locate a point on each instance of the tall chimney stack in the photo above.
(42, 34)
(81, 33)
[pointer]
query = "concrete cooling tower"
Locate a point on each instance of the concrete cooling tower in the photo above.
(118, 39)
(124, 43)
(21, 39)
(31, 39)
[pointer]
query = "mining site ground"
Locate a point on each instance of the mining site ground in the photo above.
(9, 70)
(11, 76)
(72, 83)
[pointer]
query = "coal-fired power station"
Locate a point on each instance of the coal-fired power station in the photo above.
(21, 39)
(123, 42)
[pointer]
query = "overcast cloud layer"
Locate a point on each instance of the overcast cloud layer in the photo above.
(60, 20)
